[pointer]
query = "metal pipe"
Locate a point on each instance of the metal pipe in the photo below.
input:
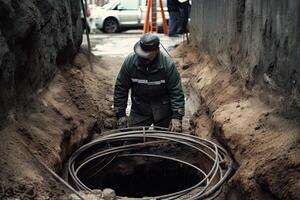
(84, 9)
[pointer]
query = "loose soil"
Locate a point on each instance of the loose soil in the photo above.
(265, 145)
(75, 106)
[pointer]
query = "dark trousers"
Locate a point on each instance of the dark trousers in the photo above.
(173, 22)
(141, 120)
(183, 19)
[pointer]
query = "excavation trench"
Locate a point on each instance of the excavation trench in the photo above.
(148, 163)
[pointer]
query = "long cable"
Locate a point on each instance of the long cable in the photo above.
(166, 50)
(133, 142)
(53, 173)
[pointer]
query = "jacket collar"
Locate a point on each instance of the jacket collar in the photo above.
(154, 67)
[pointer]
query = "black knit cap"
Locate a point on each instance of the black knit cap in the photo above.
(147, 44)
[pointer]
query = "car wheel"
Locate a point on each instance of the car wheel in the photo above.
(111, 25)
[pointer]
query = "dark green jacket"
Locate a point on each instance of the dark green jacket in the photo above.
(155, 90)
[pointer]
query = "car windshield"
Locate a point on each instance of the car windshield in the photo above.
(110, 5)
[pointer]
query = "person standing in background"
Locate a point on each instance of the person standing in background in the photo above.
(174, 15)
(184, 11)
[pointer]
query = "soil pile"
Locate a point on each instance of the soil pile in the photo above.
(75, 105)
(265, 144)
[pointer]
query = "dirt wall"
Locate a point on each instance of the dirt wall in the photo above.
(260, 39)
(75, 106)
(35, 36)
(264, 143)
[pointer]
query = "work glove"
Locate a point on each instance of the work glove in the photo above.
(175, 125)
(122, 122)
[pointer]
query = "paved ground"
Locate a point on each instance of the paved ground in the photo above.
(122, 44)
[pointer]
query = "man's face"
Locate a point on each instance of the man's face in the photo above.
(151, 57)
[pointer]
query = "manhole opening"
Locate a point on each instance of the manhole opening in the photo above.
(139, 176)
(151, 163)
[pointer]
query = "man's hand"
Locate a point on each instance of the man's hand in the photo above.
(175, 125)
(123, 122)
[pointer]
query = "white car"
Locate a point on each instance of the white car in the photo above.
(124, 14)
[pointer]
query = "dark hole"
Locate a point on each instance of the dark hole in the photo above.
(139, 176)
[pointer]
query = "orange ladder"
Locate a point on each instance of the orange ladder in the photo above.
(151, 26)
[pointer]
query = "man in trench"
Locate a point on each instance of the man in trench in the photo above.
(156, 92)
